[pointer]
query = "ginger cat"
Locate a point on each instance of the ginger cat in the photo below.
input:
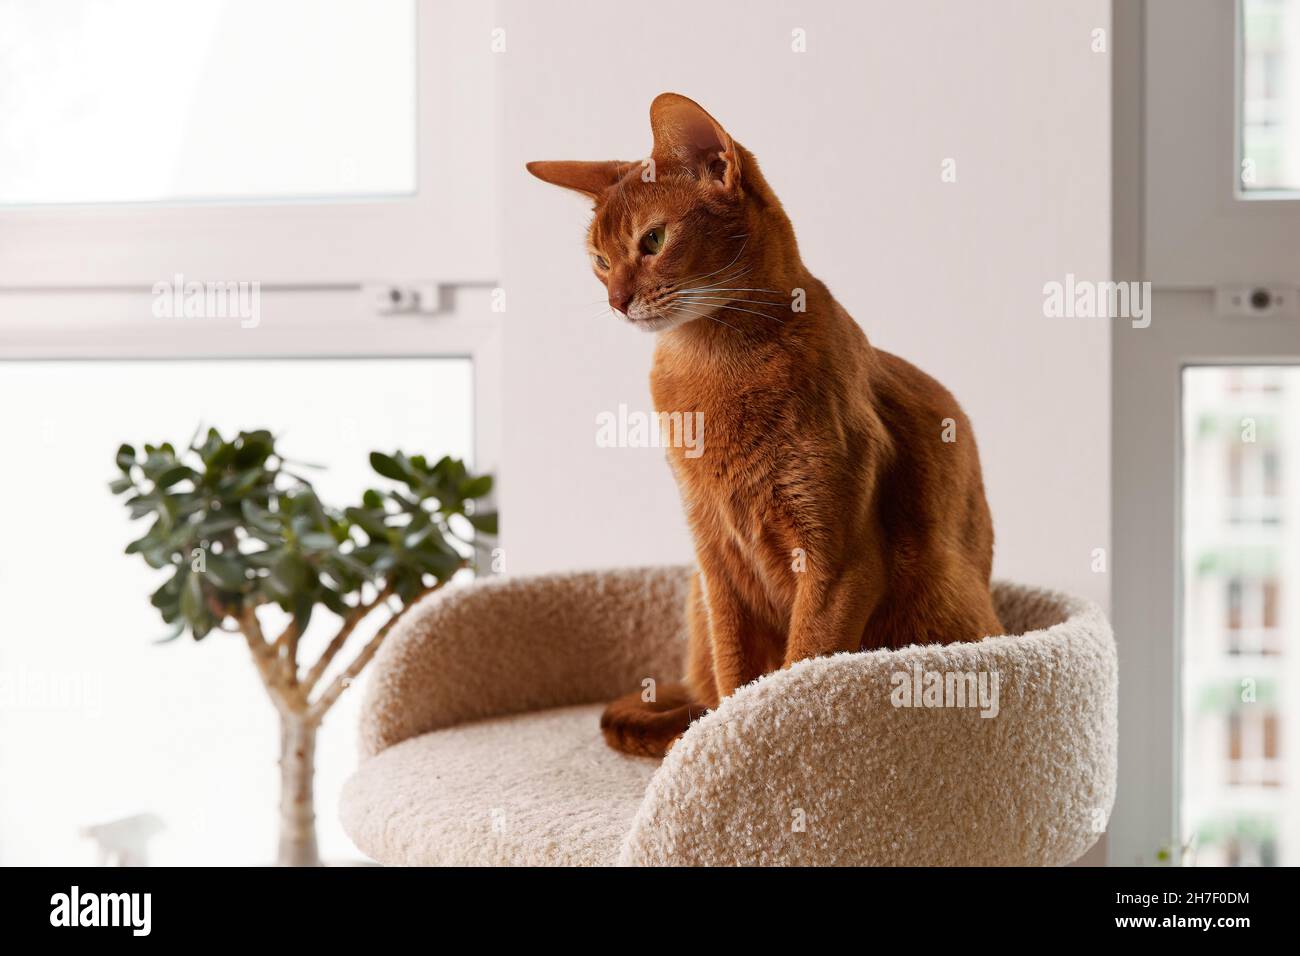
(838, 504)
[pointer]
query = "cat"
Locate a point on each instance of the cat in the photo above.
(838, 504)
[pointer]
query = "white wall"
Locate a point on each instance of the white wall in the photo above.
(851, 134)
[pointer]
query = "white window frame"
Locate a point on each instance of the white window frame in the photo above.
(294, 323)
(445, 232)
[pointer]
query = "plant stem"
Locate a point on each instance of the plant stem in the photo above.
(297, 803)
(325, 701)
(357, 615)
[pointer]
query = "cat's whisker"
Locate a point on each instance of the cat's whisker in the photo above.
(729, 277)
(732, 298)
(734, 304)
(681, 286)
(738, 254)
(735, 278)
(703, 315)
(721, 305)
(728, 294)
(730, 289)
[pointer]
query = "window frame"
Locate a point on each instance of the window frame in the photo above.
(340, 322)
(445, 232)
(1201, 230)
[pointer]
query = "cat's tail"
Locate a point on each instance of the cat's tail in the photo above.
(649, 728)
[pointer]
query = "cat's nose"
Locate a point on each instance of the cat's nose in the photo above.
(620, 296)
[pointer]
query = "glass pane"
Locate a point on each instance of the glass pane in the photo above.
(1241, 615)
(98, 723)
(105, 101)
(1270, 95)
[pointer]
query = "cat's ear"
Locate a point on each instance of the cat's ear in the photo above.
(685, 134)
(590, 179)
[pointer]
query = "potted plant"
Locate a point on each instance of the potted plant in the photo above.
(238, 532)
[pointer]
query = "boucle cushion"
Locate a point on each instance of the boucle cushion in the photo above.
(812, 765)
(555, 794)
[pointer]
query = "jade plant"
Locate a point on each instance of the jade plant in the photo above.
(239, 533)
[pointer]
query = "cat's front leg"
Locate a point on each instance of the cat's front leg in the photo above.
(829, 615)
(736, 659)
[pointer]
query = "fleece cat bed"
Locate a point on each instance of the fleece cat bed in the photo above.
(481, 741)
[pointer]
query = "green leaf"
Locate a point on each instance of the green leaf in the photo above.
(485, 521)
(442, 565)
(289, 576)
(370, 522)
(346, 572)
(176, 631)
(417, 535)
(275, 540)
(408, 585)
(156, 463)
(173, 475)
(192, 599)
(317, 541)
(142, 505)
(334, 601)
(248, 482)
(389, 467)
(220, 456)
(475, 487)
(225, 572)
(302, 612)
(125, 457)
(210, 526)
(169, 592)
(158, 558)
(118, 485)
(153, 539)
(262, 520)
(253, 449)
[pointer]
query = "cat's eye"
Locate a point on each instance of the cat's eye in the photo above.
(653, 241)
(601, 261)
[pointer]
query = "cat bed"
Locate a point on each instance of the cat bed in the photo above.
(481, 741)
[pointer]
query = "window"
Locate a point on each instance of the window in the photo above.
(1269, 82)
(179, 730)
(283, 141)
(1220, 143)
(242, 114)
(1241, 626)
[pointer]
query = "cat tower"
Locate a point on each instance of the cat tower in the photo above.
(481, 743)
